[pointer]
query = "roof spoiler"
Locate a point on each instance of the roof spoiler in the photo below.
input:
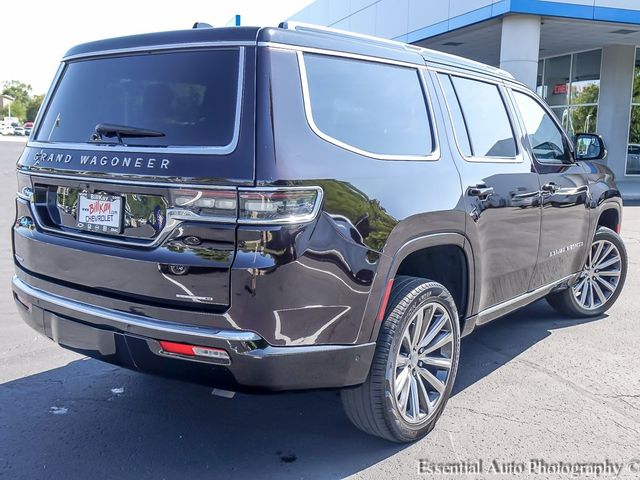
(202, 25)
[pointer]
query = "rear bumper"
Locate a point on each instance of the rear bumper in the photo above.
(131, 340)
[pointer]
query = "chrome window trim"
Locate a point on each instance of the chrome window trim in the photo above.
(119, 181)
(339, 53)
(480, 76)
(519, 158)
(124, 321)
(151, 48)
(196, 150)
(435, 152)
(174, 218)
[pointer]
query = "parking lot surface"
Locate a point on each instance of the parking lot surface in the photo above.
(532, 386)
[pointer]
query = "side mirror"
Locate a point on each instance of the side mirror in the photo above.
(590, 146)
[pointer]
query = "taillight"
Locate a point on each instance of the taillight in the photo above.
(269, 205)
(279, 205)
(203, 205)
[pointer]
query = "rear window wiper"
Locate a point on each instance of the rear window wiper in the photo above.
(111, 130)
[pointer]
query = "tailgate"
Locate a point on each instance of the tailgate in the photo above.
(133, 171)
(157, 255)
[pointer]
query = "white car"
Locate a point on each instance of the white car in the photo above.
(19, 131)
(6, 129)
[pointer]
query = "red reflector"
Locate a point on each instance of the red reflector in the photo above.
(385, 300)
(211, 353)
(179, 348)
(618, 228)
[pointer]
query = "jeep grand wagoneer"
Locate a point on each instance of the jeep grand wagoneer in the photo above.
(297, 208)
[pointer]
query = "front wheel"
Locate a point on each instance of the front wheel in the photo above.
(600, 281)
(414, 365)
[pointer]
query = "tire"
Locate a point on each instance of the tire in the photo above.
(585, 297)
(373, 406)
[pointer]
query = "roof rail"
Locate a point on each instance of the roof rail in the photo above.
(426, 53)
(309, 27)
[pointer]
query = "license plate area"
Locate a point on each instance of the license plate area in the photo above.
(99, 212)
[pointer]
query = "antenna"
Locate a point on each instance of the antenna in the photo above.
(202, 25)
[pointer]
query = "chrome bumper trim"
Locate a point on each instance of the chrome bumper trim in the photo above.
(124, 321)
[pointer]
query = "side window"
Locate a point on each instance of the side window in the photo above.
(481, 107)
(375, 107)
(546, 138)
(462, 134)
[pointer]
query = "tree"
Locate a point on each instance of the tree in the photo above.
(17, 110)
(33, 107)
(21, 92)
(583, 117)
(24, 106)
(634, 130)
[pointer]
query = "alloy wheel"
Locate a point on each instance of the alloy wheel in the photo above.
(600, 276)
(422, 367)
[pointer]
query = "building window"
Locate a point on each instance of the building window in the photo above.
(633, 149)
(570, 84)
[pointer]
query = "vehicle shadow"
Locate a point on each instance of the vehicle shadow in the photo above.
(491, 346)
(92, 420)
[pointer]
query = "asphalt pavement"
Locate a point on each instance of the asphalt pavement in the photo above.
(533, 386)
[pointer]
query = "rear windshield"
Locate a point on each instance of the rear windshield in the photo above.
(191, 97)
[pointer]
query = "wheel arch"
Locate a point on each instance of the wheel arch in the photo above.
(609, 216)
(413, 254)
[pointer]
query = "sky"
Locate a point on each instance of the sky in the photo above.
(37, 36)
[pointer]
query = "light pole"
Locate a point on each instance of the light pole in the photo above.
(11, 99)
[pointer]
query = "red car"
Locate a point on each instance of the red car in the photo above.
(28, 126)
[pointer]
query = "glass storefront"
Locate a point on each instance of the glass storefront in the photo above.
(570, 84)
(633, 149)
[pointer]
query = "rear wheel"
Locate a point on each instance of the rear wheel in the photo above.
(600, 281)
(414, 365)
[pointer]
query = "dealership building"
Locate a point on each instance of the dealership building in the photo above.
(581, 56)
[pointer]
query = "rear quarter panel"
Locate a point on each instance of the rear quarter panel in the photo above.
(371, 207)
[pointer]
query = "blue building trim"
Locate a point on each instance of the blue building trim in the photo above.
(464, 20)
(531, 7)
(619, 15)
(552, 9)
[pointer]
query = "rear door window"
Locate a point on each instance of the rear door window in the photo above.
(374, 107)
(459, 125)
(478, 107)
(191, 97)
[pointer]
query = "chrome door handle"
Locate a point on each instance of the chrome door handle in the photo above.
(481, 191)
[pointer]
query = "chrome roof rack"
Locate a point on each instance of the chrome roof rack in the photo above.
(427, 53)
(308, 27)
